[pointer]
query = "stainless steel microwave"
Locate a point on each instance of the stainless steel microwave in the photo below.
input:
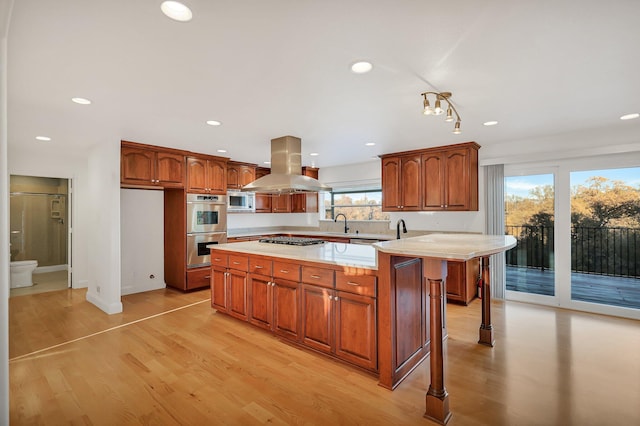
(241, 202)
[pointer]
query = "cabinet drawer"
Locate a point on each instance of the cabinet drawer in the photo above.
(358, 283)
(198, 278)
(260, 266)
(317, 276)
(240, 263)
(219, 259)
(288, 271)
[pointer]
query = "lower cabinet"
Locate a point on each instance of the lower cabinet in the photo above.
(329, 310)
(229, 286)
(462, 281)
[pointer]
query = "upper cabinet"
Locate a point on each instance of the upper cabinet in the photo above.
(240, 174)
(401, 182)
(435, 179)
(207, 175)
(304, 202)
(150, 167)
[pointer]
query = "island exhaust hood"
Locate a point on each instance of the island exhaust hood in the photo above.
(286, 171)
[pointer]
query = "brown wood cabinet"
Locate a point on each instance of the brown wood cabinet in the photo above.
(434, 179)
(240, 174)
(462, 280)
(150, 167)
(287, 203)
(304, 202)
(229, 285)
(328, 309)
(207, 175)
(281, 203)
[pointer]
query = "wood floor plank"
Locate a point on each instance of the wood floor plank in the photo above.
(194, 366)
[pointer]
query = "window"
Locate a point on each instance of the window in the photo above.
(355, 205)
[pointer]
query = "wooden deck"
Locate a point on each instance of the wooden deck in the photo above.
(616, 291)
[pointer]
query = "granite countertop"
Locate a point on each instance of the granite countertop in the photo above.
(448, 246)
(327, 234)
(341, 254)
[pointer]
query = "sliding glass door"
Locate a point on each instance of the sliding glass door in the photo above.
(529, 217)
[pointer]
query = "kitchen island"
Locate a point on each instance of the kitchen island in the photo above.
(379, 307)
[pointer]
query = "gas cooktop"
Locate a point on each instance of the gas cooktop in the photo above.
(292, 241)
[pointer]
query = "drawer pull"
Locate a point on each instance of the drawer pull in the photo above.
(217, 259)
(259, 267)
(352, 283)
(207, 277)
(317, 277)
(236, 263)
(284, 271)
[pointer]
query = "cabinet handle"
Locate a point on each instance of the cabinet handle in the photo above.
(217, 259)
(272, 284)
(352, 283)
(284, 271)
(336, 298)
(207, 277)
(317, 277)
(258, 267)
(236, 263)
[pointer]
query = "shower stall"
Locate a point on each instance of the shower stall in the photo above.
(38, 221)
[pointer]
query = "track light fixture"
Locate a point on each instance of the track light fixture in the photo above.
(437, 108)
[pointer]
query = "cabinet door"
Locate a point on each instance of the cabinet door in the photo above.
(356, 334)
(455, 281)
(433, 185)
(219, 289)
(217, 177)
(391, 184)
(457, 185)
(317, 307)
(247, 175)
(198, 278)
(286, 309)
(410, 183)
(170, 169)
(137, 166)
(260, 301)
(237, 294)
(233, 176)
(281, 203)
(197, 175)
(263, 203)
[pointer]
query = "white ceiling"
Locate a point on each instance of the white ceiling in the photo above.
(269, 68)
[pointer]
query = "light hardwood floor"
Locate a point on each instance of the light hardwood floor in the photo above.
(193, 366)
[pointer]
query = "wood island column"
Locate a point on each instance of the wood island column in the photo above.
(486, 329)
(437, 398)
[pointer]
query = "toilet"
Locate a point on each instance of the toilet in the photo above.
(21, 273)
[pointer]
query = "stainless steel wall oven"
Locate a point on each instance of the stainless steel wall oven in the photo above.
(206, 224)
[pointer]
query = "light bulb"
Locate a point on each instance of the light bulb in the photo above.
(427, 107)
(449, 115)
(456, 129)
(438, 108)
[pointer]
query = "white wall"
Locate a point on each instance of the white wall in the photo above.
(103, 288)
(141, 239)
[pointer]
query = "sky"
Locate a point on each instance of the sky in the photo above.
(521, 185)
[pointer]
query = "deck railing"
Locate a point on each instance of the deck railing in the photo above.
(612, 251)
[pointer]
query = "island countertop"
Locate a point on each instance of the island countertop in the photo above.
(340, 254)
(448, 246)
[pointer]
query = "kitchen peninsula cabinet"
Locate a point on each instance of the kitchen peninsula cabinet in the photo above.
(462, 280)
(207, 175)
(240, 174)
(434, 179)
(146, 166)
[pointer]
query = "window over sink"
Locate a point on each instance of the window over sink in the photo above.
(355, 205)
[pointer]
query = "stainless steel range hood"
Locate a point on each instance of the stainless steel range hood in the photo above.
(286, 171)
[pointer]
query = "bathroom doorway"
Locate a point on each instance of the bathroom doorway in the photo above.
(39, 216)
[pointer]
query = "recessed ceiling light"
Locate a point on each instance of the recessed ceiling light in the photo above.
(222, 150)
(43, 138)
(490, 123)
(266, 162)
(630, 116)
(176, 11)
(370, 144)
(81, 101)
(361, 67)
(314, 154)
(213, 123)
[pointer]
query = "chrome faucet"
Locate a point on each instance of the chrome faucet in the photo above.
(345, 221)
(404, 228)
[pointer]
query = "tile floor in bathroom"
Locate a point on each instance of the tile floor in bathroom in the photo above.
(43, 282)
